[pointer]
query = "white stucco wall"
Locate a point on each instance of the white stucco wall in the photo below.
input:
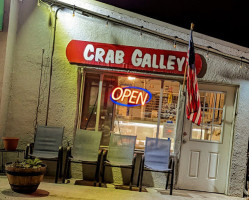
(35, 33)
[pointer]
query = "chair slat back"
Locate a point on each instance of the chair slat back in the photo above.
(121, 149)
(86, 145)
(157, 151)
(48, 138)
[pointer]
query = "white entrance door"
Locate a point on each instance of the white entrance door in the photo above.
(205, 152)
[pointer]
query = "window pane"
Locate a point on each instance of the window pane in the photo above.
(202, 97)
(138, 120)
(220, 99)
(206, 132)
(107, 109)
(142, 120)
(218, 117)
(208, 116)
(196, 133)
(216, 133)
(209, 99)
(212, 116)
(90, 101)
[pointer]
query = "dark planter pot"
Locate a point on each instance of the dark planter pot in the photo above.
(24, 180)
(10, 143)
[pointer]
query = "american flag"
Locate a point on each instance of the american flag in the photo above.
(193, 105)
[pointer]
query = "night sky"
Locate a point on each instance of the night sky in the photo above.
(226, 20)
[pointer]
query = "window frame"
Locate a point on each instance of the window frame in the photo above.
(103, 74)
(212, 124)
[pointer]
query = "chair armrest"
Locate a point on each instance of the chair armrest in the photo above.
(134, 158)
(60, 152)
(172, 162)
(29, 150)
(69, 152)
(101, 152)
(104, 154)
(142, 162)
(60, 148)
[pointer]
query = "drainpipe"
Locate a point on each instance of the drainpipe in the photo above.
(8, 65)
(51, 65)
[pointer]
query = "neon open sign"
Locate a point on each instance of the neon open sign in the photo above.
(134, 96)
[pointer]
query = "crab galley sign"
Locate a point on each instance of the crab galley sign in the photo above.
(129, 57)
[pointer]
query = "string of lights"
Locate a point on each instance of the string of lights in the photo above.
(142, 30)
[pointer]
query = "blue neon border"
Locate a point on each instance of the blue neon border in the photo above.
(127, 105)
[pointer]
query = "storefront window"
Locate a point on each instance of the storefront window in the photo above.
(90, 98)
(107, 108)
(212, 117)
(141, 120)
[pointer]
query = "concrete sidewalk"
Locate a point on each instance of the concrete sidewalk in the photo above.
(48, 190)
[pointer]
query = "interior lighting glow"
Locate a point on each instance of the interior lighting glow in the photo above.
(195, 129)
(138, 124)
(131, 78)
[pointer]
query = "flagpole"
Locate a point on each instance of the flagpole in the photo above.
(185, 71)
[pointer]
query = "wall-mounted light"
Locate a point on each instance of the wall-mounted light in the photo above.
(107, 21)
(141, 31)
(174, 43)
(73, 10)
(207, 52)
(241, 64)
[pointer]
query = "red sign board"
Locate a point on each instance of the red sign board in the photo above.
(129, 57)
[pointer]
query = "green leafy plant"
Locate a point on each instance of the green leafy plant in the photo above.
(28, 163)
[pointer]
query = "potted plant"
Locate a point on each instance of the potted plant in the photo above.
(25, 177)
(10, 143)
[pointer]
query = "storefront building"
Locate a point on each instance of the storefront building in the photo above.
(111, 76)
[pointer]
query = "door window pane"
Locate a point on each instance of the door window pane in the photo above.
(212, 104)
(216, 134)
(196, 133)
